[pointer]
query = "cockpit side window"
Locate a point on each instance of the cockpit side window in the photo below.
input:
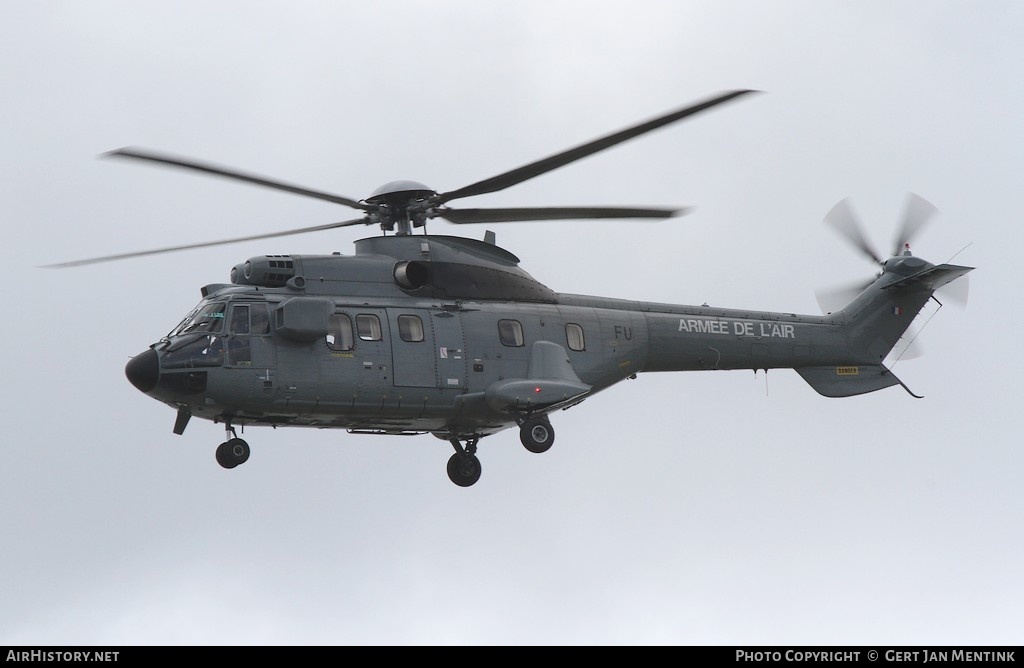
(253, 318)
(259, 319)
(239, 319)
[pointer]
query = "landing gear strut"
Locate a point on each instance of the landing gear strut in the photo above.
(233, 451)
(463, 467)
(537, 434)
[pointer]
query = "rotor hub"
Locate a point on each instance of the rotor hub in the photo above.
(405, 191)
(405, 203)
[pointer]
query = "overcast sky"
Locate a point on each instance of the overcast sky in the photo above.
(699, 508)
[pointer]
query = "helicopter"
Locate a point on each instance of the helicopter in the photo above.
(420, 333)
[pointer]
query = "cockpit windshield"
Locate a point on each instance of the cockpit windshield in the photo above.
(207, 317)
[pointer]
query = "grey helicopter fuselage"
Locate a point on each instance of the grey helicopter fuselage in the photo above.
(448, 335)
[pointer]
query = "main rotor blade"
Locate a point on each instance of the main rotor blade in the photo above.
(520, 174)
(917, 214)
(170, 249)
(194, 165)
(842, 219)
(462, 216)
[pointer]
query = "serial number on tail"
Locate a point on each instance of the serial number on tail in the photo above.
(737, 328)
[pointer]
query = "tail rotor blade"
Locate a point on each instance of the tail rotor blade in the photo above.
(835, 299)
(906, 351)
(917, 213)
(957, 290)
(842, 219)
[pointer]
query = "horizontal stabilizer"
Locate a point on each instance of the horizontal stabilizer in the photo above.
(933, 278)
(847, 381)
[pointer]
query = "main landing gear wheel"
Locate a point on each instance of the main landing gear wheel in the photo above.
(464, 469)
(232, 452)
(537, 435)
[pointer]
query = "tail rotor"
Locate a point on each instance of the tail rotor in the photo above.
(917, 214)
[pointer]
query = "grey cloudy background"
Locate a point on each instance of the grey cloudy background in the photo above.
(704, 508)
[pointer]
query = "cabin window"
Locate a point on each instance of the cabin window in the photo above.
(510, 332)
(410, 328)
(574, 336)
(339, 332)
(368, 326)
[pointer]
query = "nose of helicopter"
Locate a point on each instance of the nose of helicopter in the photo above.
(143, 370)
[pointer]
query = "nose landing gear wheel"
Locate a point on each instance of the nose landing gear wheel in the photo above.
(232, 452)
(537, 435)
(464, 469)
